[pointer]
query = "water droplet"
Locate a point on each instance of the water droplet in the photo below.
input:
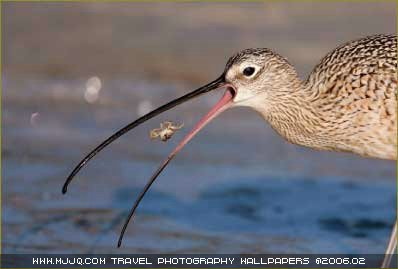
(34, 119)
(93, 86)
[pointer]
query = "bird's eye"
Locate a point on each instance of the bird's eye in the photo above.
(248, 71)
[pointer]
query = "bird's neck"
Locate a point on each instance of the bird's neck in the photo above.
(293, 114)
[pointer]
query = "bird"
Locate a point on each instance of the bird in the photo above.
(347, 103)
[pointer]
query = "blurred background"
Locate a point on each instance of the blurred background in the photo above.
(73, 73)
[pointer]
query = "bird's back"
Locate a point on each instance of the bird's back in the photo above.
(354, 89)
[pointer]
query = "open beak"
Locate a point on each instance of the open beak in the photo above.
(224, 103)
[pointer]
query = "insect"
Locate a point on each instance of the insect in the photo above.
(166, 131)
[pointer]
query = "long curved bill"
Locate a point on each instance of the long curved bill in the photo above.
(216, 84)
(223, 104)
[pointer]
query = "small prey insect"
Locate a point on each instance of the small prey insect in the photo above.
(166, 131)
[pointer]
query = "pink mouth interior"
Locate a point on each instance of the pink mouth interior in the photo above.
(224, 103)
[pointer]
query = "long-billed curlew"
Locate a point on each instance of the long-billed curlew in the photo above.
(348, 103)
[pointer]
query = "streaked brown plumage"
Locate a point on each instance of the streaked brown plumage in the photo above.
(357, 88)
(348, 103)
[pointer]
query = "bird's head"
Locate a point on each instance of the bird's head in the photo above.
(258, 76)
(249, 74)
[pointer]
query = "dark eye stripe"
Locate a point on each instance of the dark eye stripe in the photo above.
(248, 71)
